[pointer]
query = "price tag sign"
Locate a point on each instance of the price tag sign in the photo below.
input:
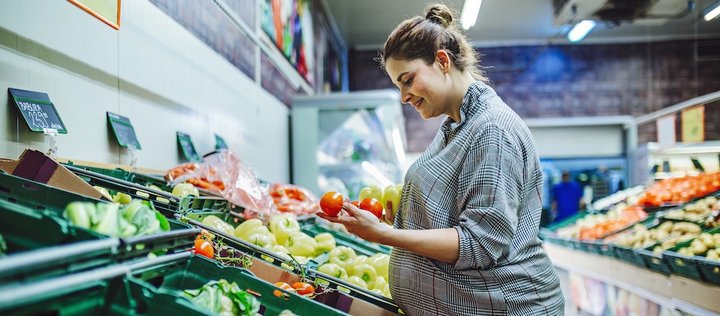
(187, 147)
(220, 143)
(123, 130)
(38, 111)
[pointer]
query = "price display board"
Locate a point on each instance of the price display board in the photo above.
(220, 143)
(123, 130)
(187, 147)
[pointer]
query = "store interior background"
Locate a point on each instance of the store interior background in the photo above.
(207, 67)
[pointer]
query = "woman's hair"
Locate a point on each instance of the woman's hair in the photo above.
(420, 37)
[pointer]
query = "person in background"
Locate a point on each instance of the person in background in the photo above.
(567, 198)
(465, 235)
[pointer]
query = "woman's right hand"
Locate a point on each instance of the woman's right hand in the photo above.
(358, 222)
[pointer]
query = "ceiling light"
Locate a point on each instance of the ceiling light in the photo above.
(712, 11)
(469, 14)
(580, 30)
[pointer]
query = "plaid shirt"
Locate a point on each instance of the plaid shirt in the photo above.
(482, 177)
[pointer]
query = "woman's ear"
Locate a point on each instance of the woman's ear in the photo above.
(442, 57)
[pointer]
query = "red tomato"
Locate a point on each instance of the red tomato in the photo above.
(204, 248)
(283, 286)
(303, 288)
(331, 203)
(356, 203)
(372, 205)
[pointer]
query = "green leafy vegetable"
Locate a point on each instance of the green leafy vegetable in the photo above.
(138, 218)
(224, 298)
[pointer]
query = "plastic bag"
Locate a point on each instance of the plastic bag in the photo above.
(235, 181)
(294, 199)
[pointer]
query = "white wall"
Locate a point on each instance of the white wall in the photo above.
(578, 141)
(152, 70)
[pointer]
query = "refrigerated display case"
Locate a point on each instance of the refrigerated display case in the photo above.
(345, 141)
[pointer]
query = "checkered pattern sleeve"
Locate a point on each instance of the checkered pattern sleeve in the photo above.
(489, 219)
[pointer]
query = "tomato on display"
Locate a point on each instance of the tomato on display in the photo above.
(204, 248)
(372, 205)
(331, 203)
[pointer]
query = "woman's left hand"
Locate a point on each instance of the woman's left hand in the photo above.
(359, 222)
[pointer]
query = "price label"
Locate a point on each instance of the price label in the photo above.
(220, 143)
(187, 147)
(123, 130)
(38, 111)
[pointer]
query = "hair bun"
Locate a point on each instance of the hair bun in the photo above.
(440, 14)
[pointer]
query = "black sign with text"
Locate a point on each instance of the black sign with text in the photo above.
(38, 111)
(220, 143)
(123, 130)
(187, 147)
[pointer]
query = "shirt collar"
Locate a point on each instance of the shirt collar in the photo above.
(470, 105)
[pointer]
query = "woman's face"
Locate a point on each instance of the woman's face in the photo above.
(422, 86)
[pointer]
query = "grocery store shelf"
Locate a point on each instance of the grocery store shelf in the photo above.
(674, 291)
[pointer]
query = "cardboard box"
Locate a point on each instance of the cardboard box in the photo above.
(36, 166)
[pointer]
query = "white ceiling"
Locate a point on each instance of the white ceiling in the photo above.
(365, 24)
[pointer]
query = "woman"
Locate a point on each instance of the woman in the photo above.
(465, 234)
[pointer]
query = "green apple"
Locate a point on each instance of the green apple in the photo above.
(325, 243)
(333, 270)
(366, 272)
(283, 226)
(391, 199)
(356, 280)
(371, 191)
(381, 263)
(342, 256)
(300, 244)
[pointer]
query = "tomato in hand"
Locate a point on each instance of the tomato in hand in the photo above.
(204, 248)
(331, 203)
(372, 205)
(356, 203)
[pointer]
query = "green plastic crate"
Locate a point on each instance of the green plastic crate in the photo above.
(690, 267)
(163, 286)
(654, 261)
(95, 292)
(138, 178)
(629, 255)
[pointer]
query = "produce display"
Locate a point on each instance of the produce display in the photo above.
(668, 234)
(679, 190)
(595, 226)
(199, 182)
(138, 218)
(224, 298)
(707, 245)
(365, 272)
(695, 212)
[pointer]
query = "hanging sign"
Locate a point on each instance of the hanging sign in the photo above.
(693, 124)
(220, 143)
(187, 147)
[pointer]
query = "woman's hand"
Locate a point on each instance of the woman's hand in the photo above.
(359, 222)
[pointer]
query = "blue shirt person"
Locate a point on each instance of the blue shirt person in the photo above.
(566, 198)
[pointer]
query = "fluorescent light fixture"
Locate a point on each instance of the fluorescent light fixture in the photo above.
(580, 30)
(376, 173)
(712, 11)
(469, 14)
(399, 148)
